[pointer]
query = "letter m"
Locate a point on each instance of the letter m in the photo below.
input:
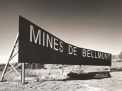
(34, 36)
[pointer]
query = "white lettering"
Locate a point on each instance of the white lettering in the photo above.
(92, 54)
(105, 56)
(61, 46)
(102, 56)
(50, 41)
(75, 51)
(95, 54)
(84, 53)
(99, 55)
(88, 53)
(43, 38)
(70, 49)
(55, 44)
(36, 37)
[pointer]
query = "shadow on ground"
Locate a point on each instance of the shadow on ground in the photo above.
(83, 76)
(116, 69)
(87, 76)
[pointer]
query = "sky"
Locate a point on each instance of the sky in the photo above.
(91, 24)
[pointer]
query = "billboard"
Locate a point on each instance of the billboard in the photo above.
(39, 46)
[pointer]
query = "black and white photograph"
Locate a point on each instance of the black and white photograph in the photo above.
(60, 45)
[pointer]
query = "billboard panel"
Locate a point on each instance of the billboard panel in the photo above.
(39, 46)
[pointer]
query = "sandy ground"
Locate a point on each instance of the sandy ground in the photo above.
(107, 84)
(54, 82)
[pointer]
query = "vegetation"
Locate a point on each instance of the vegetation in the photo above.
(117, 58)
(120, 55)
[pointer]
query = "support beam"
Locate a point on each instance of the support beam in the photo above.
(11, 56)
(15, 69)
(4, 71)
(80, 66)
(81, 69)
(23, 74)
(62, 69)
(72, 68)
(12, 70)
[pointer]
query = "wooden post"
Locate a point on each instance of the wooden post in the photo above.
(72, 68)
(80, 69)
(62, 69)
(110, 69)
(23, 74)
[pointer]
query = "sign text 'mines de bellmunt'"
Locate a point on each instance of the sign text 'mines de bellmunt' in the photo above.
(39, 46)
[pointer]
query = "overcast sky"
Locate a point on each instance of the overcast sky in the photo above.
(92, 24)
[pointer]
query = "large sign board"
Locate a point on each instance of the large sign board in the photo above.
(39, 46)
